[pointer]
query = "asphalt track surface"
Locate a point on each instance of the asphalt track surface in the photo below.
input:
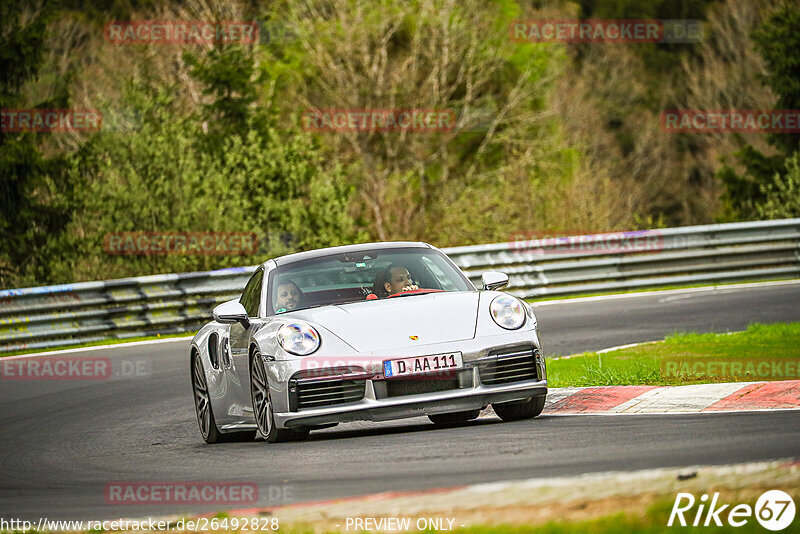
(61, 442)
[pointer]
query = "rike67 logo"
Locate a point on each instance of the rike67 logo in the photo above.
(774, 510)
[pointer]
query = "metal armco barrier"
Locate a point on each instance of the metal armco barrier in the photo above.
(52, 316)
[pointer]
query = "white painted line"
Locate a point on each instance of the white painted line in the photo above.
(731, 287)
(628, 346)
(692, 398)
(97, 347)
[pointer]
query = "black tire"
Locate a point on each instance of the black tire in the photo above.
(262, 405)
(455, 418)
(205, 413)
(518, 410)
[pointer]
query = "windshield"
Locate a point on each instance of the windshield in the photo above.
(372, 274)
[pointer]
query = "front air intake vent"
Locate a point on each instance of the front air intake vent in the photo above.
(509, 365)
(321, 391)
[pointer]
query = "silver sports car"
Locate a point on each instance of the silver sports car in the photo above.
(374, 332)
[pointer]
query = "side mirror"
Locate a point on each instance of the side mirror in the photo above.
(231, 312)
(494, 280)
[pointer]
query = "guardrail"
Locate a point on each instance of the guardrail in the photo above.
(42, 317)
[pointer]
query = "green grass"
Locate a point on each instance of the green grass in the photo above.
(646, 290)
(656, 363)
(97, 343)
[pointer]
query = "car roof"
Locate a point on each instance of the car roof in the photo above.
(347, 249)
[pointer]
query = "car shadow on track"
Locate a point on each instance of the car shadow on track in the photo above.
(365, 429)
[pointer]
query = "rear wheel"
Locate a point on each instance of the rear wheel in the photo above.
(202, 403)
(262, 405)
(518, 410)
(455, 418)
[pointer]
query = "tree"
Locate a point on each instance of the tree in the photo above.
(778, 42)
(429, 55)
(782, 193)
(34, 195)
(165, 177)
(227, 74)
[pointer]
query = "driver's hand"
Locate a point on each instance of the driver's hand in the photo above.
(411, 287)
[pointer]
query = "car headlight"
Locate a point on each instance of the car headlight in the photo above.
(507, 312)
(298, 338)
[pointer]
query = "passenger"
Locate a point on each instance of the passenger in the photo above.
(394, 279)
(287, 297)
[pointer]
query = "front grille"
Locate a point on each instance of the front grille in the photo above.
(405, 386)
(509, 365)
(328, 392)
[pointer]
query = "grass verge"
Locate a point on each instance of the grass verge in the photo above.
(762, 352)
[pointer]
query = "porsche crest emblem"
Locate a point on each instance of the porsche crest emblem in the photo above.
(413, 338)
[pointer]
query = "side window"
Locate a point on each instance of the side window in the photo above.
(252, 293)
(444, 282)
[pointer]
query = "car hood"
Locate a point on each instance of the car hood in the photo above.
(378, 325)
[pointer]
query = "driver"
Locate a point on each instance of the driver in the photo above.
(287, 297)
(394, 279)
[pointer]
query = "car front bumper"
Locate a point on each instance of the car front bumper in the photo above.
(371, 409)
(473, 387)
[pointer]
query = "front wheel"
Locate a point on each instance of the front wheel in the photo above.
(262, 405)
(518, 410)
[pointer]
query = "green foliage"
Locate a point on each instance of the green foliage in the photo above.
(35, 199)
(163, 178)
(658, 56)
(226, 73)
(778, 41)
(744, 192)
(21, 47)
(761, 188)
(782, 193)
(551, 137)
